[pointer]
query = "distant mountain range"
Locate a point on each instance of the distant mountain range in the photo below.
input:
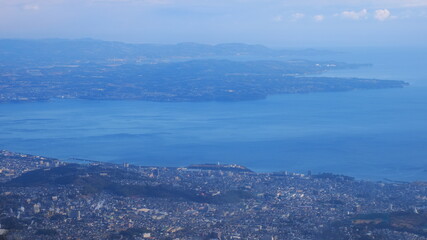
(50, 51)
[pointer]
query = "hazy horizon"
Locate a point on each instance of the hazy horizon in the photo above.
(274, 23)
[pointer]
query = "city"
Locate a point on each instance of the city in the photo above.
(44, 198)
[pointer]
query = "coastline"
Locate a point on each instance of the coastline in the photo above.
(231, 167)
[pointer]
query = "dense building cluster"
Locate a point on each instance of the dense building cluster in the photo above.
(44, 198)
(13, 164)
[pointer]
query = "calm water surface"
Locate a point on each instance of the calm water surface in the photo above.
(371, 134)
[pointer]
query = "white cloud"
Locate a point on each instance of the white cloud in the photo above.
(278, 18)
(31, 7)
(355, 15)
(382, 14)
(294, 17)
(319, 18)
(297, 16)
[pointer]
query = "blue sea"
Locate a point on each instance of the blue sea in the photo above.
(369, 134)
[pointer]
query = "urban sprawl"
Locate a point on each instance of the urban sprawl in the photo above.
(44, 198)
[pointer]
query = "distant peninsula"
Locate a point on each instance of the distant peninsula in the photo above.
(37, 70)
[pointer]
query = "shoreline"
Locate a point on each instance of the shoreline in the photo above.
(208, 167)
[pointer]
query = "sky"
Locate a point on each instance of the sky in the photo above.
(275, 23)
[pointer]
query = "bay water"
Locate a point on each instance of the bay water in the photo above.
(367, 134)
